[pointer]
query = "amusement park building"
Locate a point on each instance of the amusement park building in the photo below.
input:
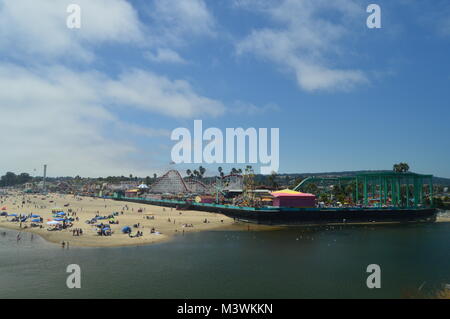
(289, 198)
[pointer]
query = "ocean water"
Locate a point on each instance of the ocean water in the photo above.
(289, 263)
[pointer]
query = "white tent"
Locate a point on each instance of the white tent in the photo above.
(53, 222)
(142, 186)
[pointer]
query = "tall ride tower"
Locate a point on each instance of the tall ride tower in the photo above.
(45, 176)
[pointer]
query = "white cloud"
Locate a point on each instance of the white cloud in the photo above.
(245, 108)
(305, 38)
(165, 56)
(176, 19)
(150, 92)
(38, 28)
(66, 119)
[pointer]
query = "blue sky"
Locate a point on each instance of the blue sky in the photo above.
(102, 100)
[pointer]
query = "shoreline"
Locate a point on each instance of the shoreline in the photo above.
(169, 222)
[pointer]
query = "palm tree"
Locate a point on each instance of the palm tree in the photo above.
(401, 168)
(273, 180)
(405, 167)
(201, 171)
(220, 169)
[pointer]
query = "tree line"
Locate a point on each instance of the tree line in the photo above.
(11, 179)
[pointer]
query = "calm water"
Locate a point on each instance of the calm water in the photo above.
(291, 263)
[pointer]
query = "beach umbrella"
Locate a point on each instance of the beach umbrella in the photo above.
(4, 214)
(126, 230)
(4, 208)
(60, 214)
(14, 215)
(53, 223)
(35, 216)
(59, 219)
(35, 220)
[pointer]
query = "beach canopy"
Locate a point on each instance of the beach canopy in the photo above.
(35, 220)
(126, 230)
(53, 222)
(4, 214)
(34, 216)
(4, 208)
(60, 214)
(14, 215)
(289, 193)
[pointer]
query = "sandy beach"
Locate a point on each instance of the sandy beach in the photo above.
(166, 221)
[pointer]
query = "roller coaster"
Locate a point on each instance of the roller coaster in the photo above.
(173, 183)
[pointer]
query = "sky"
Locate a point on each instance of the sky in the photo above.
(104, 99)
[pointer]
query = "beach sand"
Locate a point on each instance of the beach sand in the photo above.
(86, 208)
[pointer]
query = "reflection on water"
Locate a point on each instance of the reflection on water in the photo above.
(327, 262)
